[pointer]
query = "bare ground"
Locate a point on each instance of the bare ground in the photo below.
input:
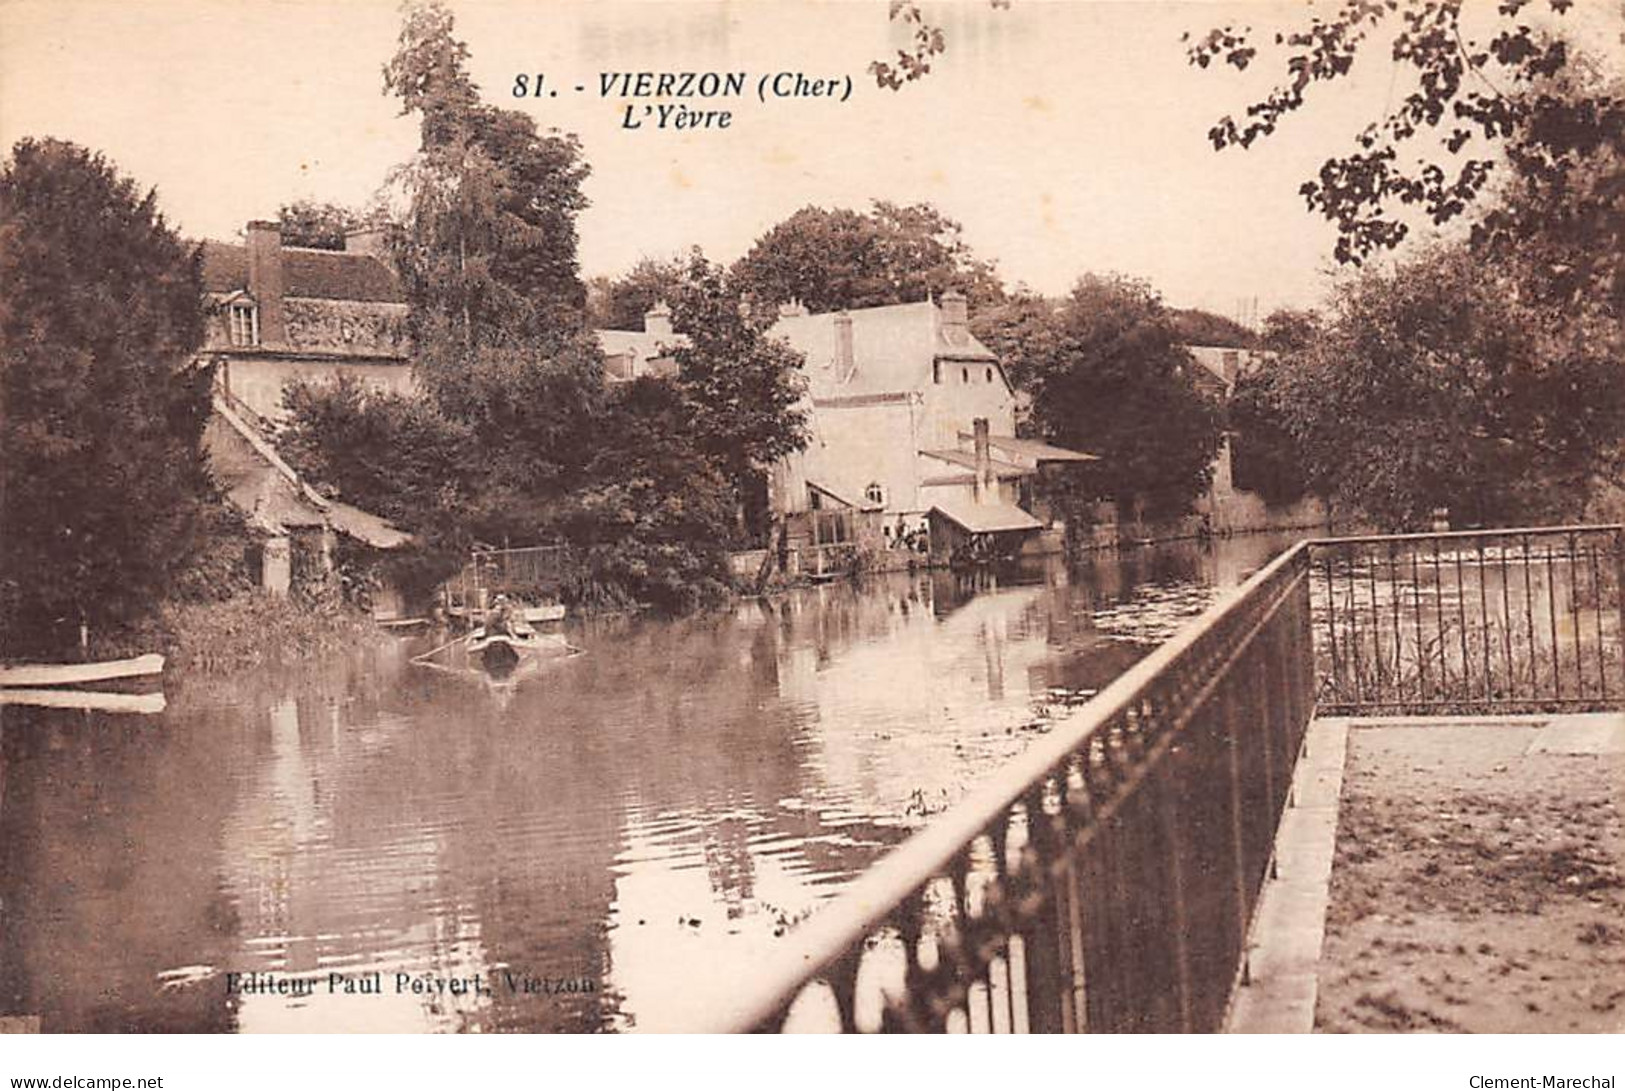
(1475, 887)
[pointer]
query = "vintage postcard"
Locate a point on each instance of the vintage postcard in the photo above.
(925, 516)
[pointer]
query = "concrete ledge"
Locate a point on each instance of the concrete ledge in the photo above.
(1593, 733)
(1278, 994)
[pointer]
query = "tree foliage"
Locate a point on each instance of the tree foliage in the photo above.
(1447, 384)
(104, 492)
(1264, 454)
(621, 303)
(488, 250)
(518, 439)
(320, 225)
(1517, 102)
(743, 388)
(657, 513)
(398, 456)
(1109, 375)
(488, 256)
(1199, 327)
(834, 259)
(1022, 331)
(1289, 330)
(926, 40)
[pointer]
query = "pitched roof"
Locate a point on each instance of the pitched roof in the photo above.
(967, 459)
(892, 348)
(306, 274)
(985, 518)
(843, 498)
(264, 487)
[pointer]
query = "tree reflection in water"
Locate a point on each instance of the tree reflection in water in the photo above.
(627, 833)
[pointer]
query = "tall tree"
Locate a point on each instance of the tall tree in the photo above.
(489, 243)
(1109, 375)
(830, 259)
(103, 486)
(1449, 384)
(488, 256)
(743, 388)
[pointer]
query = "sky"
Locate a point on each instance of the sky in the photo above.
(1067, 137)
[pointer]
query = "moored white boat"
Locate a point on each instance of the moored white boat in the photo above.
(76, 674)
(93, 700)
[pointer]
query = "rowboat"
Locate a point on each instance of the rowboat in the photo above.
(499, 653)
(78, 674)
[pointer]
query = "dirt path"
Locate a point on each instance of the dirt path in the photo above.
(1476, 886)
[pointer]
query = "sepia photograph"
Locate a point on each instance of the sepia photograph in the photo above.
(704, 516)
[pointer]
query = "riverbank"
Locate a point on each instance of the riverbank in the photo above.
(246, 630)
(1478, 883)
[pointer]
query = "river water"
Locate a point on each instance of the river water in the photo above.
(609, 845)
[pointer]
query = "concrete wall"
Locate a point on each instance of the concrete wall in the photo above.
(1008, 492)
(853, 446)
(258, 381)
(965, 393)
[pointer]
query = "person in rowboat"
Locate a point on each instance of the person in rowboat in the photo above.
(502, 618)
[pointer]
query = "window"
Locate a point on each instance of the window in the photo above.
(245, 324)
(964, 374)
(990, 375)
(875, 494)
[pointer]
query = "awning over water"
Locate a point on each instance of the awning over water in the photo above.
(986, 518)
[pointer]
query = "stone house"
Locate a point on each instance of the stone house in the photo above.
(912, 423)
(276, 314)
(279, 313)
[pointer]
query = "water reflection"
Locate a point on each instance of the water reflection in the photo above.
(611, 845)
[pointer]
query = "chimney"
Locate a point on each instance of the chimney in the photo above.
(792, 309)
(955, 319)
(265, 278)
(658, 320)
(984, 489)
(845, 365)
(369, 239)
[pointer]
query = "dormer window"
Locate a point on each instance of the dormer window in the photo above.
(244, 317)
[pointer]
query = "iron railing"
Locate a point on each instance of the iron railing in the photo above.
(1469, 622)
(1103, 880)
(529, 572)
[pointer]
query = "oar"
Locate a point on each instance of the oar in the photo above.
(423, 660)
